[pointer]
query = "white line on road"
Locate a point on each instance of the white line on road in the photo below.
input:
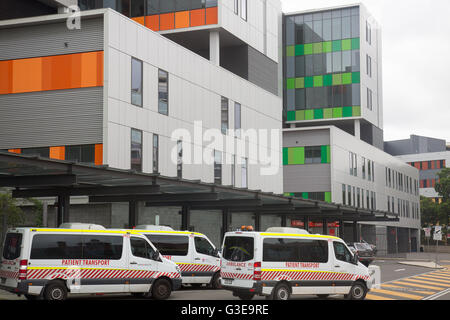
(398, 270)
(438, 295)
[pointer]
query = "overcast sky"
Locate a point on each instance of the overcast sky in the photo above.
(416, 63)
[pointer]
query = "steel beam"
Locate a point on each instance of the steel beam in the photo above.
(39, 180)
(164, 199)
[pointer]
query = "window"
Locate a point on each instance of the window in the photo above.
(224, 115)
(210, 3)
(368, 33)
(369, 99)
(140, 248)
(239, 249)
(233, 171)
(13, 244)
(136, 150)
(295, 250)
(358, 197)
(170, 245)
(137, 8)
(217, 167)
(136, 82)
(155, 153)
(369, 65)
(349, 193)
(364, 168)
(389, 203)
(152, 7)
(83, 154)
(102, 247)
(343, 194)
(41, 152)
(313, 155)
(204, 247)
(244, 173)
(237, 119)
(236, 6)
(167, 6)
(58, 246)
(244, 9)
(341, 252)
(163, 92)
(369, 166)
(367, 199)
(179, 159)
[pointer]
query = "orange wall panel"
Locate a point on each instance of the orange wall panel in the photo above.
(152, 22)
(182, 19)
(15, 150)
(27, 75)
(6, 72)
(197, 17)
(167, 21)
(58, 153)
(212, 15)
(61, 75)
(99, 154)
(140, 20)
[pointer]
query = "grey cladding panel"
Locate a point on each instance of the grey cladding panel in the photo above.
(49, 39)
(262, 71)
(307, 178)
(306, 138)
(51, 118)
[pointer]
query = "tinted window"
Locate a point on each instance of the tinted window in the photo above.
(136, 82)
(170, 245)
(56, 246)
(295, 250)
(163, 92)
(140, 248)
(136, 150)
(341, 252)
(102, 247)
(13, 242)
(203, 246)
(238, 249)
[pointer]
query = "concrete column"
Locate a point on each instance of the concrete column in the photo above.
(214, 47)
(283, 221)
(185, 218)
(63, 214)
(257, 221)
(45, 214)
(306, 223)
(226, 221)
(341, 229)
(325, 227)
(355, 232)
(358, 129)
(133, 213)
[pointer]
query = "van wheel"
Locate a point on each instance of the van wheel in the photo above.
(215, 282)
(245, 296)
(161, 289)
(357, 292)
(281, 292)
(55, 291)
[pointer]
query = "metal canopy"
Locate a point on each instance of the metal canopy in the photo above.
(38, 177)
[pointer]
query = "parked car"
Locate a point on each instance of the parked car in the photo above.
(372, 246)
(365, 254)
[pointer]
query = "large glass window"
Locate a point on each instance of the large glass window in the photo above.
(136, 82)
(295, 250)
(163, 92)
(313, 155)
(82, 154)
(152, 7)
(137, 8)
(136, 150)
(239, 249)
(167, 6)
(170, 245)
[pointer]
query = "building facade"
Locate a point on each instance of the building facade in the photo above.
(333, 136)
(428, 155)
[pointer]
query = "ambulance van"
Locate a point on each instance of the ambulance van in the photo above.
(193, 252)
(51, 263)
(284, 262)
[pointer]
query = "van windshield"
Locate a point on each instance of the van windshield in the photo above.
(12, 248)
(238, 249)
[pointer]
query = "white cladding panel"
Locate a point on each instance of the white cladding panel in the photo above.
(195, 90)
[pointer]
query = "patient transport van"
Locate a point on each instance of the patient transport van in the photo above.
(50, 263)
(193, 252)
(282, 262)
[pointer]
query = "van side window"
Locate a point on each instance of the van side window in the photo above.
(341, 252)
(203, 246)
(295, 250)
(140, 248)
(12, 247)
(170, 245)
(102, 247)
(56, 246)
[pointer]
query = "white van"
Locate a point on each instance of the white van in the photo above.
(282, 262)
(193, 252)
(50, 263)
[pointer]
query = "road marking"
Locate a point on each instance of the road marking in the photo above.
(427, 282)
(374, 297)
(409, 290)
(433, 278)
(438, 295)
(398, 294)
(398, 270)
(437, 288)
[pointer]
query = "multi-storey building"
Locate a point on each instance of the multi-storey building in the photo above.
(333, 119)
(113, 92)
(428, 155)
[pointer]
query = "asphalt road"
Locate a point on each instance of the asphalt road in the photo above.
(399, 282)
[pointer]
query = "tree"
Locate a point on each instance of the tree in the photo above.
(443, 186)
(430, 212)
(10, 212)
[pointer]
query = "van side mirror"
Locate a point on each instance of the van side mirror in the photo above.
(355, 258)
(216, 252)
(155, 255)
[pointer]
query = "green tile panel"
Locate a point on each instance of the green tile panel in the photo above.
(324, 113)
(326, 80)
(296, 155)
(323, 47)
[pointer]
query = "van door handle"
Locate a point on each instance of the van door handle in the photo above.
(337, 266)
(133, 262)
(238, 269)
(197, 259)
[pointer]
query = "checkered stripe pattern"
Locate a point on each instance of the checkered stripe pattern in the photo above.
(192, 267)
(9, 274)
(309, 276)
(238, 276)
(97, 274)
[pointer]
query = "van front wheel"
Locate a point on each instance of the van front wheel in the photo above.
(161, 289)
(357, 292)
(55, 291)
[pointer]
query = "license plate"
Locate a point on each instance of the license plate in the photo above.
(3, 280)
(228, 281)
